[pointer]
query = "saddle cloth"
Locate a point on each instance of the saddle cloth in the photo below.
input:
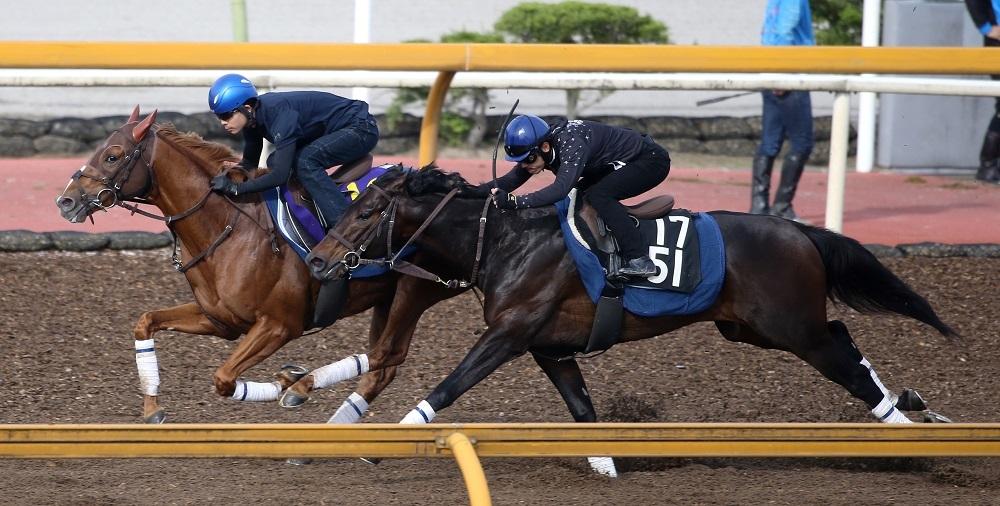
(298, 225)
(686, 247)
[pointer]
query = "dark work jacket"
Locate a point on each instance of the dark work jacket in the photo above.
(583, 149)
(291, 120)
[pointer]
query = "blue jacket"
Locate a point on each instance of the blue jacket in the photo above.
(984, 13)
(787, 23)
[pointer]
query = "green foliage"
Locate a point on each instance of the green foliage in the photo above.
(463, 119)
(580, 22)
(454, 128)
(837, 22)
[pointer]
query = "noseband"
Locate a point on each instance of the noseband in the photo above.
(115, 183)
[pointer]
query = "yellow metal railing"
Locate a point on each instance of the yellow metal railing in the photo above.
(450, 58)
(467, 442)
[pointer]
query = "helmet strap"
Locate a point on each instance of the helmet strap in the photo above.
(550, 155)
(248, 111)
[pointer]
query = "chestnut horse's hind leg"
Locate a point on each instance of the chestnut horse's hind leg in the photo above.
(187, 318)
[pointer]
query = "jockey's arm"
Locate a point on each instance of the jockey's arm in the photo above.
(281, 170)
(253, 145)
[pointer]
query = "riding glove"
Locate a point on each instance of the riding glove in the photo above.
(504, 200)
(223, 184)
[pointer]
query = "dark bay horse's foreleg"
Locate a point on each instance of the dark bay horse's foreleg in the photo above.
(568, 380)
(187, 318)
(495, 348)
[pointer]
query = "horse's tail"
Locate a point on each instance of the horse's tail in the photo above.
(855, 277)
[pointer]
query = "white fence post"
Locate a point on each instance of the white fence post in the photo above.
(837, 178)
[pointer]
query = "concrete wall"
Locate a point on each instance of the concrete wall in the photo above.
(918, 131)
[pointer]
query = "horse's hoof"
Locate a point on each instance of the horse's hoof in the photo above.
(371, 460)
(910, 400)
(157, 417)
(292, 373)
(290, 399)
(932, 417)
(299, 461)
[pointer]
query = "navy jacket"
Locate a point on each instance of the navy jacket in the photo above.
(291, 120)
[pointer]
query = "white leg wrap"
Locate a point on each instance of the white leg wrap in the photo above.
(604, 466)
(886, 411)
(149, 369)
(251, 391)
(350, 367)
(351, 410)
(423, 413)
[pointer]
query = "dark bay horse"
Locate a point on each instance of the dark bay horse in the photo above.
(240, 284)
(778, 276)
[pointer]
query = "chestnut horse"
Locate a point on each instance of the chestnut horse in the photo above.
(241, 283)
(778, 276)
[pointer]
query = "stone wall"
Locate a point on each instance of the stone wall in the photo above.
(727, 136)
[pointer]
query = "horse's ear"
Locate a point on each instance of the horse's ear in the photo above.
(135, 115)
(142, 128)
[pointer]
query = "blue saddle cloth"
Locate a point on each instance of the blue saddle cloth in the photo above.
(300, 227)
(680, 286)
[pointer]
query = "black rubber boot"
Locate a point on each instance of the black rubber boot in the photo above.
(989, 172)
(791, 172)
(989, 159)
(639, 267)
(760, 185)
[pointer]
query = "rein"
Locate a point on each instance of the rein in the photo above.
(353, 259)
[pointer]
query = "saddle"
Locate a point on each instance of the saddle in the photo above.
(656, 207)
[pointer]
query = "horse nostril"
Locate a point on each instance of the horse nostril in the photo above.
(66, 203)
(317, 263)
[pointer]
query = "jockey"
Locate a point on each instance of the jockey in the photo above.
(607, 163)
(311, 131)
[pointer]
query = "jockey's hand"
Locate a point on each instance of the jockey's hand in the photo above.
(504, 200)
(223, 184)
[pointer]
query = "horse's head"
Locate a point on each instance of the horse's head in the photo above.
(119, 170)
(379, 222)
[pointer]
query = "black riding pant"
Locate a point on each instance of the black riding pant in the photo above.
(643, 173)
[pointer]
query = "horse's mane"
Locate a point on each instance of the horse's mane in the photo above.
(432, 179)
(211, 152)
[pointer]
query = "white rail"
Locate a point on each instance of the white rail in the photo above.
(839, 84)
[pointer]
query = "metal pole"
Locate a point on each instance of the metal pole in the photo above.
(838, 162)
(472, 470)
(362, 35)
(870, 31)
(239, 14)
(432, 118)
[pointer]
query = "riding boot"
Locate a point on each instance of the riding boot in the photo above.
(791, 172)
(760, 187)
(989, 159)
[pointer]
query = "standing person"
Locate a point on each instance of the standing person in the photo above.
(311, 131)
(608, 163)
(984, 16)
(787, 114)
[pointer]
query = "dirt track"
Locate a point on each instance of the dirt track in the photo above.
(66, 357)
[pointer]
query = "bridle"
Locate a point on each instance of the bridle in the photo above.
(354, 258)
(115, 185)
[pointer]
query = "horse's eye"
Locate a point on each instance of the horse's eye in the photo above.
(367, 213)
(111, 159)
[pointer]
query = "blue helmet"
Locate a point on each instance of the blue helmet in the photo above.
(524, 133)
(230, 92)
